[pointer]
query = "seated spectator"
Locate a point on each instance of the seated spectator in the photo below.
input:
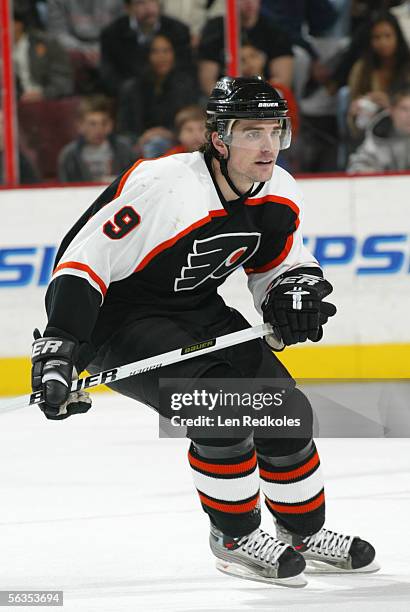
(190, 129)
(312, 17)
(97, 154)
(253, 62)
(384, 66)
(42, 66)
(27, 173)
(152, 100)
(78, 25)
(125, 43)
(386, 146)
(260, 31)
(362, 11)
(194, 13)
(308, 24)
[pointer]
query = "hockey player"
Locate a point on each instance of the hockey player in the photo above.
(137, 275)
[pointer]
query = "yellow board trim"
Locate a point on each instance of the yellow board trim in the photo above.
(367, 361)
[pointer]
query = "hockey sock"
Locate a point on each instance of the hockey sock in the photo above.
(227, 481)
(293, 488)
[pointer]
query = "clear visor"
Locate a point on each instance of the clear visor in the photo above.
(270, 133)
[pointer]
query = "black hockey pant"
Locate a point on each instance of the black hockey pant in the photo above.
(228, 473)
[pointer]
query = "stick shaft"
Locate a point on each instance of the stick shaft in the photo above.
(145, 365)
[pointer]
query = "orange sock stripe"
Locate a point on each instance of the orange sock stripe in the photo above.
(216, 468)
(300, 471)
(299, 508)
(229, 508)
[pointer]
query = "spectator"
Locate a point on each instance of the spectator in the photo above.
(97, 154)
(27, 173)
(301, 17)
(384, 66)
(78, 25)
(253, 62)
(42, 66)
(262, 32)
(125, 43)
(304, 21)
(152, 100)
(190, 128)
(362, 12)
(194, 13)
(386, 146)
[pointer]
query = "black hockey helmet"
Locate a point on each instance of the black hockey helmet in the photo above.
(246, 98)
(235, 98)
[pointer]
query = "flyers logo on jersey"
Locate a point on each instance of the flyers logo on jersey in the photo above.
(216, 257)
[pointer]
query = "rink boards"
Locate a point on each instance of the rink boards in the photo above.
(358, 228)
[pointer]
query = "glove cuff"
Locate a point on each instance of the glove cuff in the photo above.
(52, 348)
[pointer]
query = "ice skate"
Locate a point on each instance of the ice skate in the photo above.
(258, 556)
(329, 552)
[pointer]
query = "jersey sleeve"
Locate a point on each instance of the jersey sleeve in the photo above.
(282, 249)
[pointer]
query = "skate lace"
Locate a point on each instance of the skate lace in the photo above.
(262, 546)
(329, 543)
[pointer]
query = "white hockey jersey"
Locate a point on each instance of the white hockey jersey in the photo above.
(161, 239)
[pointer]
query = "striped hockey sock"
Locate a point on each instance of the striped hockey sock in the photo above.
(294, 491)
(228, 486)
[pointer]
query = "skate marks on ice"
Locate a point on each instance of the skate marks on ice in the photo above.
(100, 507)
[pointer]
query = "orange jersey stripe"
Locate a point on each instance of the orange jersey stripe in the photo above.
(236, 468)
(125, 177)
(300, 471)
(75, 265)
(169, 243)
(297, 509)
(230, 508)
(274, 199)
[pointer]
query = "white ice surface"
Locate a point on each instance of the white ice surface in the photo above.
(99, 507)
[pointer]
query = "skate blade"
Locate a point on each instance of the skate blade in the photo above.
(321, 567)
(239, 571)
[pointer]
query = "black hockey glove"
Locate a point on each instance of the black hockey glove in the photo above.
(52, 372)
(294, 306)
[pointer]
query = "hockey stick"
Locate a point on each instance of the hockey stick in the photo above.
(145, 365)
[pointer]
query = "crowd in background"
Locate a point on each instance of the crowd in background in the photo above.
(101, 83)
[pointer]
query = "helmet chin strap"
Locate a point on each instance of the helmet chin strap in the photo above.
(223, 162)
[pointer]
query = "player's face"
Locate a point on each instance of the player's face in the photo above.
(192, 134)
(95, 128)
(254, 149)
